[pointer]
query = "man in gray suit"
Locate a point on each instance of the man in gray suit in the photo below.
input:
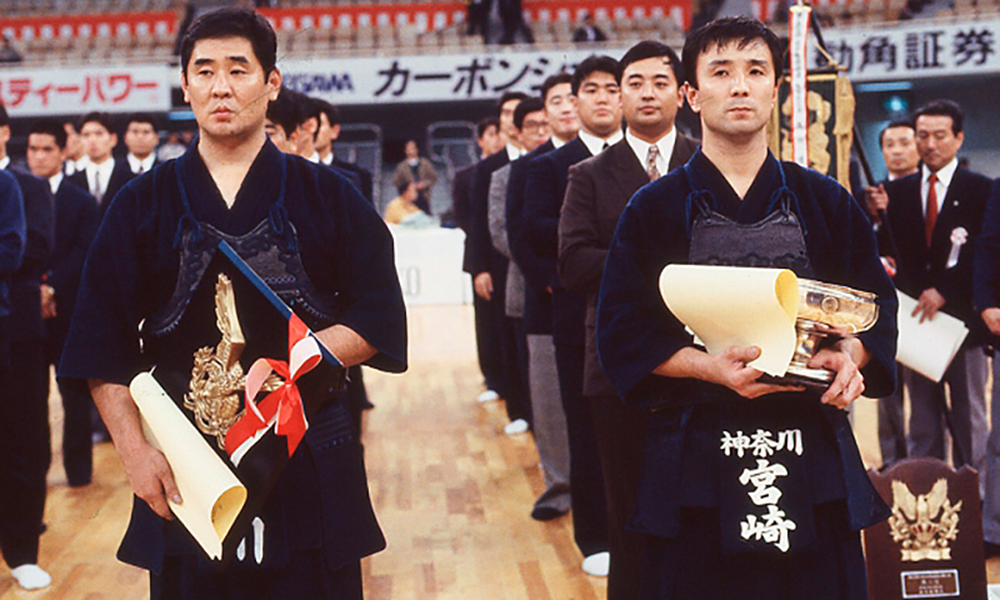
(548, 422)
(650, 76)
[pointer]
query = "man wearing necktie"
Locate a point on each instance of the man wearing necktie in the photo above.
(141, 139)
(105, 174)
(649, 76)
(935, 214)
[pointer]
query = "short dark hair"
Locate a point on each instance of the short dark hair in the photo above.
(650, 49)
(402, 186)
(141, 118)
(942, 108)
(233, 22)
(308, 109)
(4, 117)
(589, 66)
(332, 112)
(528, 105)
(485, 124)
(50, 127)
(284, 112)
(720, 32)
(893, 125)
(103, 119)
(507, 97)
(552, 81)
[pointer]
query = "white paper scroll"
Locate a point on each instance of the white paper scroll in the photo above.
(212, 495)
(929, 347)
(726, 306)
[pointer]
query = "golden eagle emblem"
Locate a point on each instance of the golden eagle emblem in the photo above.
(923, 525)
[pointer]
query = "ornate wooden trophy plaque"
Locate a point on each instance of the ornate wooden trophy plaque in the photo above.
(932, 545)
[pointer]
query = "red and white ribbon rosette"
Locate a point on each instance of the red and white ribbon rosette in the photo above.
(284, 405)
(959, 236)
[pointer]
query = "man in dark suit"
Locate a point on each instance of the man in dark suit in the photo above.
(588, 31)
(291, 124)
(486, 265)
(141, 140)
(25, 458)
(326, 135)
(76, 158)
(934, 215)
(598, 189)
(488, 140)
(105, 173)
(291, 120)
(898, 142)
(598, 100)
(557, 116)
(77, 219)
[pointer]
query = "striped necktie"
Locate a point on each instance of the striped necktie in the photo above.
(651, 170)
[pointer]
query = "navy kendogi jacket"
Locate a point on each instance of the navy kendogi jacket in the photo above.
(321, 500)
(13, 233)
(636, 333)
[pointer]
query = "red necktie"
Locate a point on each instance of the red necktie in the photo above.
(932, 208)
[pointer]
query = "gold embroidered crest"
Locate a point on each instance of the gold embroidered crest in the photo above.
(923, 525)
(217, 378)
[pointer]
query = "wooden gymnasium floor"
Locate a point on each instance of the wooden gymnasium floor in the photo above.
(452, 493)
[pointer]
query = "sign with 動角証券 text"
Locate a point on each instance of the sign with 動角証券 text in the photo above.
(917, 49)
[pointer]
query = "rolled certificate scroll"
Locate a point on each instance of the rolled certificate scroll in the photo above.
(741, 306)
(211, 495)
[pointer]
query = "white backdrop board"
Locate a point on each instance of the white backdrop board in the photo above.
(429, 264)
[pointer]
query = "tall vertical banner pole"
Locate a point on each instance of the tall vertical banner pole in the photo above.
(798, 53)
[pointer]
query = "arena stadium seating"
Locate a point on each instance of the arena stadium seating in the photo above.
(75, 31)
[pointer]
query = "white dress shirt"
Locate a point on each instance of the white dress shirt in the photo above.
(513, 152)
(944, 176)
(80, 164)
(665, 145)
(327, 160)
(135, 163)
(55, 181)
(104, 170)
(596, 144)
(4, 162)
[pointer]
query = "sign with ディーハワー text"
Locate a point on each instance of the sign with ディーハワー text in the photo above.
(31, 92)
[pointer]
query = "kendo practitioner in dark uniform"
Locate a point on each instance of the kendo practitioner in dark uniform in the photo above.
(25, 453)
(777, 517)
(15, 542)
(335, 258)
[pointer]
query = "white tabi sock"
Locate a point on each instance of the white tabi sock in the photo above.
(31, 577)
